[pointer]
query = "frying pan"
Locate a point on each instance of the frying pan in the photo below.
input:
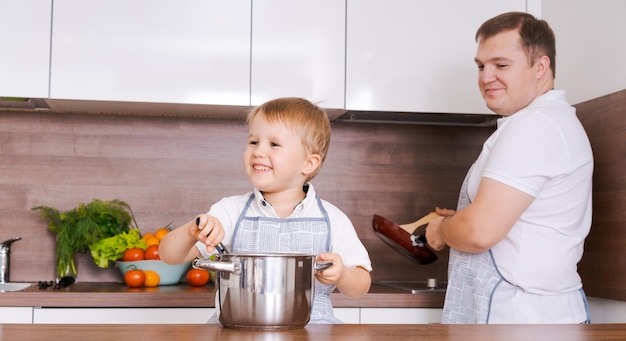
(409, 239)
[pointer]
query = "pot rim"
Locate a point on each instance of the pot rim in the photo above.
(266, 255)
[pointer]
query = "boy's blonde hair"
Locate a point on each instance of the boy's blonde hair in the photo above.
(306, 119)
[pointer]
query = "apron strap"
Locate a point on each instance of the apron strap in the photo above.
(241, 216)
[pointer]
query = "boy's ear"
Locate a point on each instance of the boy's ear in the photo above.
(312, 163)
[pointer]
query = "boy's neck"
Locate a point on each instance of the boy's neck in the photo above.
(284, 202)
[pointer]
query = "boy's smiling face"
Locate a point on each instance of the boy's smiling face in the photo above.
(275, 159)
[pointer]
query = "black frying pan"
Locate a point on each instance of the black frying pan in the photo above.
(413, 246)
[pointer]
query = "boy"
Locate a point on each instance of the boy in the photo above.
(287, 144)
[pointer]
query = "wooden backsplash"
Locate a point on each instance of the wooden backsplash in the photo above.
(172, 168)
(603, 267)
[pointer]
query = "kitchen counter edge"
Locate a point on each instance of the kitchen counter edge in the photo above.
(111, 294)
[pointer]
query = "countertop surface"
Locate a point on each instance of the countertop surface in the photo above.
(111, 294)
(431, 332)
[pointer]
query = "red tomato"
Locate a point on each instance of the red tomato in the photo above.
(152, 252)
(133, 254)
(134, 278)
(197, 277)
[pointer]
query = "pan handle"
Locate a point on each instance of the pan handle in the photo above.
(323, 265)
(216, 265)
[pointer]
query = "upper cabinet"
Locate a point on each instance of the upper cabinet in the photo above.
(25, 42)
(187, 51)
(416, 55)
(298, 49)
(365, 55)
(590, 46)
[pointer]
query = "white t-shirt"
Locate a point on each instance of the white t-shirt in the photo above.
(343, 237)
(542, 150)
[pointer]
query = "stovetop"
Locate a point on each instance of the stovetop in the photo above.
(415, 287)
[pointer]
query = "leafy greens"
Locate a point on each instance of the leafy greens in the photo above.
(111, 249)
(84, 225)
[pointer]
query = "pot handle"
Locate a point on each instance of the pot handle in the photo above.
(323, 265)
(214, 265)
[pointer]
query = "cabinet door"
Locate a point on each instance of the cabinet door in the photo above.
(25, 46)
(400, 315)
(298, 49)
(122, 315)
(16, 315)
(416, 55)
(187, 51)
(348, 315)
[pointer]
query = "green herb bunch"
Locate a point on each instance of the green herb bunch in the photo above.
(84, 225)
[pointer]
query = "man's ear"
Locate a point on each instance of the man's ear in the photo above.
(312, 163)
(543, 66)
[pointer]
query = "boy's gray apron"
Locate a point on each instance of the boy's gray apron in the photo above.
(292, 235)
(472, 279)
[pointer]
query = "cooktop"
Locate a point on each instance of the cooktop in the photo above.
(414, 287)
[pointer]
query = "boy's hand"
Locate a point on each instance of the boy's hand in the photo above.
(207, 229)
(334, 273)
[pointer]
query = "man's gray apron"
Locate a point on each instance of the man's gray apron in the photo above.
(472, 279)
(292, 235)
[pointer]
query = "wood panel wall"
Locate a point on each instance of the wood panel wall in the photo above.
(603, 267)
(172, 168)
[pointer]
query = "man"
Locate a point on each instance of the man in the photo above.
(525, 206)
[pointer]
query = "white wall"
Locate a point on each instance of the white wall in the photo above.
(590, 46)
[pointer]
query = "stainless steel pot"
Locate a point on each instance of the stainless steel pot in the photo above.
(264, 291)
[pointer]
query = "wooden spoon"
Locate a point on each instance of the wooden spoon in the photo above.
(423, 220)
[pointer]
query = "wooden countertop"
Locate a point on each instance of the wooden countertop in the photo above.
(111, 294)
(203, 332)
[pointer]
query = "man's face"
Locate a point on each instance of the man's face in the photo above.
(506, 79)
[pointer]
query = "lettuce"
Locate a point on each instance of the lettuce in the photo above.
(112, 248)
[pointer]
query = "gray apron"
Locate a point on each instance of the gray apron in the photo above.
(472, 280)
(292, 235)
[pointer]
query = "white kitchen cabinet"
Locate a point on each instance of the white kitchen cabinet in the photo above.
(202, 315)
(348, 315)
(188, 51)
(590, 46)
(25, 42)
(416, 55)
(400, 315)
(122, 315)
(602, 310)
(16, 315)
(298, 49)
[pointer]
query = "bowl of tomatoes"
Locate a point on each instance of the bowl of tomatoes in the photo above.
(155, 272)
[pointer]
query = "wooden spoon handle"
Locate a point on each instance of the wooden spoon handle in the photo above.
(423, 220)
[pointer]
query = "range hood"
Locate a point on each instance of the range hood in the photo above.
(224, 112)
(227, 112)
(442, 119)
(124, 108)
